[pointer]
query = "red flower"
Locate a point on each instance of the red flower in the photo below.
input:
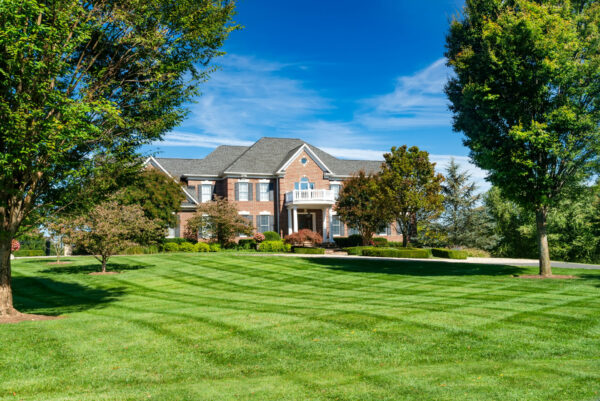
(15, 245)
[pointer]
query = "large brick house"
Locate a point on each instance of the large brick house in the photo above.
(278, 184)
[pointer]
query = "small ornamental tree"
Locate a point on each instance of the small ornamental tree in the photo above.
(526, 96)
(218, 219)
(411, 188)
(302, 236)
(111, 228)
(58, 233)
(361, 205)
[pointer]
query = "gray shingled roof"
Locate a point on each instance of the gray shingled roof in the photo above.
(266, 156)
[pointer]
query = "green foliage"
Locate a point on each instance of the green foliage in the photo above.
(354, 250)
(218, 219)
(215, 247)
(187, 247)
(247, 243)
(380, 241)
(309, 251)
(344, 242)
(29, 252)
(202, 247)
(477, 253)
(360, 205)
(526, 96)
(171, 247)
(271, 236)
(396, 252)
(159, 196)
(411, 188)
(274, 246)
(449, 253)
(177, 241)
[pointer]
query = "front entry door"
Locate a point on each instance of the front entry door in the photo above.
(305, 220)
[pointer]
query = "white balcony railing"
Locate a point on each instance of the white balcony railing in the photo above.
(310, 196)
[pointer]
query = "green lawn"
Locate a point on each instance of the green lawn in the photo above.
(227, 327)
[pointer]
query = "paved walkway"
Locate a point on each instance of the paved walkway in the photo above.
(484, 261)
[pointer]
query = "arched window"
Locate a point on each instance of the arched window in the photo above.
(304, 184)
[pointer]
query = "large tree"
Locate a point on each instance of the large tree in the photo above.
(86, 82)
(361, 205)
(411, 187)
(526, 95)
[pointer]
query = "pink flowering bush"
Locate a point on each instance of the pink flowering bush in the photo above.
(259, 237)
(15, 245)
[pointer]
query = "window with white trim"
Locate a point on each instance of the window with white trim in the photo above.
(263, 191)
(304, 184)
(337, 226)
(243, 191)
(335, 188)
(206, 193)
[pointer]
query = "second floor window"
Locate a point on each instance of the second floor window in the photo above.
(335, 188)
(206, 193)
(243, 191)
(304, 184)
(263, 191)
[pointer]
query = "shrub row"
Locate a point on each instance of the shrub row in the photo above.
(380, 241)
(29, 252)
(274, 246)
(309, 251)
(449, 253)
(346, 242)
(389, 252)
(141, 250)
(189, 247)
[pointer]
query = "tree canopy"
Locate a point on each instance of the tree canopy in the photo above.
(83, 85)
(526, 95)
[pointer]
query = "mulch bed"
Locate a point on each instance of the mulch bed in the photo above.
(102, 273)
(554, 276)
(25, 317)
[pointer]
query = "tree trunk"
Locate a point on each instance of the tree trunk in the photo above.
(104, 260)
(6, 299)
(540, 215)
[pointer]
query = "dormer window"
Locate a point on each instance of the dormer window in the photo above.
(304, 184)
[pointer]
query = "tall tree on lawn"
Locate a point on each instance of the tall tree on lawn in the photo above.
(526, 95)
(411, 187)
(86, 82)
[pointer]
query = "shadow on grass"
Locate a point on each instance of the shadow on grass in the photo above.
(416, 268)
(45, 296)
(92, 268)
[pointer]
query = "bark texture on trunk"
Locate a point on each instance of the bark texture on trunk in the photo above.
(541, 217)
(6, 299)
(104, 259)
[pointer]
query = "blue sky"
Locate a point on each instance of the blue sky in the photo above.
(354, 78)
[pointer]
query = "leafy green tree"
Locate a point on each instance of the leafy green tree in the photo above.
(218, 219)
(526, 95)
(411, 188)
(82, 86)
(159, 196)
(361, 205)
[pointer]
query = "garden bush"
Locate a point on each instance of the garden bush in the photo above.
(309, 251)
(214, 247)
(380, 241)
(187, 247)
(274, 246)
(477, 253)
(248, 243)
(346, 242)
(304, 235)
(396, 253)
(171, 247)
(29, 252)
(354, 250)
(449, 253)
(177, 241)
(202, 247)
(134, 250)
(258, 237)
(271, 236)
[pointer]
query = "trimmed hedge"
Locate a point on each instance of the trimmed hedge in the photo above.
(309, 251)
(29, 252)
(346, 242)
(355, 250)
(214, 247)
(202, 247)
(396, 253)
(449, 253)
(171, 247)
(140, 250)
(246, 243)
(274, 246)
(380, 241)
(177, 241)
(271, 236)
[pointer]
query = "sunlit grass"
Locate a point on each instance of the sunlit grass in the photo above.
(237, 327)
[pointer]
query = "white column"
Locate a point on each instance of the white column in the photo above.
(330, 224)
(325, 236)
(295, 219)
(289, 221)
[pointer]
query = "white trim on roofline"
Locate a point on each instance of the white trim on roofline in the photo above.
(228, 174)
(155, 162)
(311, 153)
